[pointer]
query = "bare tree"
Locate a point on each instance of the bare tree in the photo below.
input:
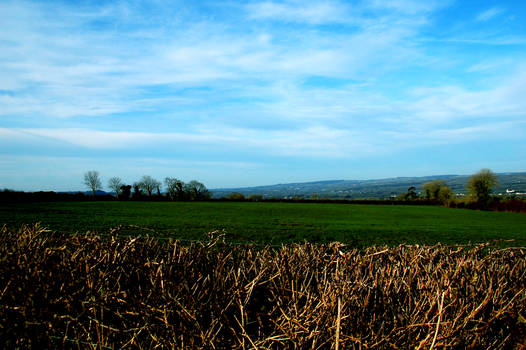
(137, 191)
(125, 191)
(149, 184)
(175, 188)
(196, 190)
(92, 180)
(115, 183)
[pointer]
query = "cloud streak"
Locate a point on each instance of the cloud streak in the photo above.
(315, 12)
(489, 14)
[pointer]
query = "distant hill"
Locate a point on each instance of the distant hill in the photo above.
(363, 189)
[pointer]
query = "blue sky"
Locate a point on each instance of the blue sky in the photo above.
(241, 93)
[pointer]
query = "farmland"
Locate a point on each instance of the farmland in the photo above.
(275, 223)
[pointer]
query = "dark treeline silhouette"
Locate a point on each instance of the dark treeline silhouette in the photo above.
(10, 196)
(146, 189)
(497, 204)
(150, 189)
(494, 204)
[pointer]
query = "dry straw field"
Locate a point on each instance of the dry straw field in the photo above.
(89, 291)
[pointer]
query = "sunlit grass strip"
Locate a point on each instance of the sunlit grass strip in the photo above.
(92, 291)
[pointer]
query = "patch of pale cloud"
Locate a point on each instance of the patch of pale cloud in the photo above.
(489, 14)
(453, 103)
(78, 137)
(313, 12)
(503, 40)
(349, 103)
(491, 65)
(244, 57)
(319, 142)
(115, 140)
(76, 105)
(450, 135)
(314, 141)
(411, 7)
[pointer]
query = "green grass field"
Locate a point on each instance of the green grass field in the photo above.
(276, 223)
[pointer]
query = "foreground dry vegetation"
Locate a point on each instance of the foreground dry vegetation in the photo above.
(119, 292)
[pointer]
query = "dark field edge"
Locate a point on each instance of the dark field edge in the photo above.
(89, 291)
(516, 205)
(232, 240)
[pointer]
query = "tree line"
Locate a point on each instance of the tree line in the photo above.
(149, 188)
(479, 187)
(480, 195)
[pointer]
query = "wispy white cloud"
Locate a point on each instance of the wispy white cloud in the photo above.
(312, 141)
(347, 123)
(112, 140)
(312, 12)
(489, 14)
(432, 137)
(454, 103)
(409, 6)
(88, 73)
(502, 40)
(491, 65)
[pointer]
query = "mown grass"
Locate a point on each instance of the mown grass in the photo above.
(276, 223)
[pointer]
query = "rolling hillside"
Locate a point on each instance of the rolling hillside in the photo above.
(380, 188)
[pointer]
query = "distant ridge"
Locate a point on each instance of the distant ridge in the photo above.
(364, 189)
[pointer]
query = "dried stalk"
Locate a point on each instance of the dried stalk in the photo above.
(95, 292)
